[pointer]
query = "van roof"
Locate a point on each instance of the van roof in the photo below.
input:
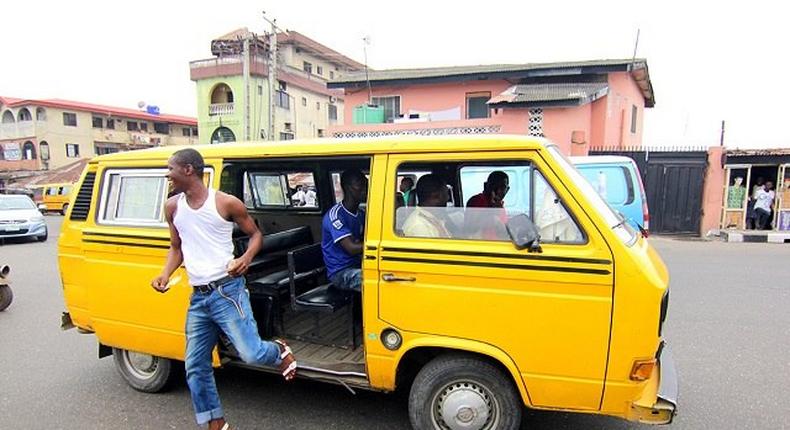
(601, 159)
(333, 146)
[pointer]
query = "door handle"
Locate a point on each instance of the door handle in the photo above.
(389, 277)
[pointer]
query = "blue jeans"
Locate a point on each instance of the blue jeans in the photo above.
(349, 278)
(226, 308)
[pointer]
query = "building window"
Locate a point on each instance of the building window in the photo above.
(194, 131)
(110, 123)
(319, 70)
(144, 126)
(98, 122)
(260, 90)
(286, 136)
(536, 122)
(476, 106)
(41, 114)
(307, 67)
(44, 148)
(634, 111)
(391, 106)
(304, 101)
(317, 105)
(132, 126)
(331, 74)
(320, 132)
(186, 132)
(72, 150)
(222, 135)
(24, 115)
(332, 112)
(283, 85)
(28, 151)
(221, 94)
(70, 119)
(283, 100)
(8, 117)
(102, 149)
(162, 128)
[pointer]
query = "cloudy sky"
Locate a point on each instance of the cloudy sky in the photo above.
(724, 61)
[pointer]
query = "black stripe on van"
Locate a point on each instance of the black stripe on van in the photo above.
(112, 242)
(501, 255)
(126, 236)
(501, 265)
(82, 204)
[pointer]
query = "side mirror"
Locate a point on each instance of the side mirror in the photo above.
(524, 233)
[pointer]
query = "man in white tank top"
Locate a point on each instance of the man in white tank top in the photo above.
(201, 227)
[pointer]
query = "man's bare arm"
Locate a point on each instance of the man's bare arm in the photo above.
(174, 255)
(233, 209)
(351, 245)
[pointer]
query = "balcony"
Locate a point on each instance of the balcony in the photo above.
(230, 65)
(426, 128)
(17, 130)
(221, 109)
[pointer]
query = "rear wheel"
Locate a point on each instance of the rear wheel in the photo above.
(5, 297)
(64, 209)
(455, 392)
(144, 372)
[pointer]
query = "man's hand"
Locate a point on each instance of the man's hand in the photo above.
(238, 266)
(160, 283)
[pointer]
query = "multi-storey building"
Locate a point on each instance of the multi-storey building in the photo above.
(232, 107)
(47, 134)
(575, 104)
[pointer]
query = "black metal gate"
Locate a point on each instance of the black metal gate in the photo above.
(674, 180)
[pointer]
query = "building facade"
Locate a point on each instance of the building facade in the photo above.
(575, 104)
(47, 134)
(232, 108)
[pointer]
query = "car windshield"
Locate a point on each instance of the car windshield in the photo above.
(612, 218)
(16, 203)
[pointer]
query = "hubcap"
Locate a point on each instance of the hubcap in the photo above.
(464, 406)
(142, 366)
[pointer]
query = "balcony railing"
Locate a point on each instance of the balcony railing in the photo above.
(16, 130)
(219, 109)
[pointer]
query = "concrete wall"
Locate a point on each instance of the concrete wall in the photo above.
(713, 194)
(623, 95)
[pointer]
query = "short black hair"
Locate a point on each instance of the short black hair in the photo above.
(497, 177)
(429, 185)
(408, 179)
(190, 157)
(349, 176)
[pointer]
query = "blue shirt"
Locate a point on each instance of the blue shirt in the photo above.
(338, 224)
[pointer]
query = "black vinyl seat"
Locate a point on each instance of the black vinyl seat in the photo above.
(308, 293)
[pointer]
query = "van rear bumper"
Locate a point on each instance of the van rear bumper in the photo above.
(665, 382)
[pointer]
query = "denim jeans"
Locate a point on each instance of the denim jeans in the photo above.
(226, 308)
(349, 278)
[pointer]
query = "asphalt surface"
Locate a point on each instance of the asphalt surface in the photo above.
(729, 327)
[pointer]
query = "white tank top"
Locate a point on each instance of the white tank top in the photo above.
(206, 239)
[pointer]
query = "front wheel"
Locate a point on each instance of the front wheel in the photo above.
(144, 372)
(64, 209)
(43, 237)
(455, 392)
(6, 295)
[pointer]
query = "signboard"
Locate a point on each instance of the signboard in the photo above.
(11, 151)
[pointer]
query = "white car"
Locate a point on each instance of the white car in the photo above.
(19, 217)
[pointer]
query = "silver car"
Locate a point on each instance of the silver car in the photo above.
(19, 217)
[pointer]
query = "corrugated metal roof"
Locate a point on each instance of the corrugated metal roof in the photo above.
(758, 152)
(100, 109)
(578, 93)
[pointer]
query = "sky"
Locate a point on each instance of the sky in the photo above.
(724, 61)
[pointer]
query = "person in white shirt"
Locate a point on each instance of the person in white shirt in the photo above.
(298, 198)
(310, 197)
(764, 201)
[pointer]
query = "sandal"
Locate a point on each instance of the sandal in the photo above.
(288, 364)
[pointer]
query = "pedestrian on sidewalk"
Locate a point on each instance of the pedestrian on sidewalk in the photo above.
(763, 205)
(201, 226)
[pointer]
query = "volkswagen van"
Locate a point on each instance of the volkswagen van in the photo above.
(562, 309)
(55, 197)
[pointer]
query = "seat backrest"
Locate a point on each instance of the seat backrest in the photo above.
(275, 242)
(304, 263)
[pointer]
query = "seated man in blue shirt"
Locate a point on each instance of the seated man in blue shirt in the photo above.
(342, 233)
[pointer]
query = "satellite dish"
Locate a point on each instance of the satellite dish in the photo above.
(141, 104)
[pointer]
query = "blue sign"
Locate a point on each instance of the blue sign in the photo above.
(153, 110)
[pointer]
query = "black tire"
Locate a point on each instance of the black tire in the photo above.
(144, 372)
(6, 296)
(481, 395)
(64, 209)
(44, 237)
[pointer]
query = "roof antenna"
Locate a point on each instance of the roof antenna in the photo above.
(636, 45)
(366, 42)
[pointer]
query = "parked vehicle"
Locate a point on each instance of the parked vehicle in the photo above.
(55, 197)
(473, 327)
(19, 217)
(618, 181)
(6, 295)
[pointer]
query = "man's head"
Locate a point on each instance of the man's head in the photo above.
(406, 184)
(769, 186)
(432, 191)
(354, 185)
(184, 168)
(760, 180)
(497, 185)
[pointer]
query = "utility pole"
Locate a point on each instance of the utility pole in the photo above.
(245, 65)
(272, 73)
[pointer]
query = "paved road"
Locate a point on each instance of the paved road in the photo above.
(729, 325)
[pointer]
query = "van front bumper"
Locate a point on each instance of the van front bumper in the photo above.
(662, 389)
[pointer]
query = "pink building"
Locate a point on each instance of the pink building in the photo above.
(575, 104)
